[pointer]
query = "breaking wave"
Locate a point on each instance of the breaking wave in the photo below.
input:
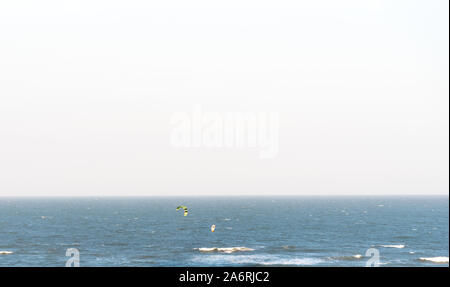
(223, 249)
(255, 260)
(439, 259)
(393, 246)
(348, 258)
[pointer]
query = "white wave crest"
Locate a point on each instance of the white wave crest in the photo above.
(265, 260)
(352, 257)
(294, 261)
(393, 246)
(223, 249)
(439, 259)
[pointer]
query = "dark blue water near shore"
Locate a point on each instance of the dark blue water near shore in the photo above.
(250, 231)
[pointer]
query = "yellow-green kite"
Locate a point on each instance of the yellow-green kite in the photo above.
(184, 208)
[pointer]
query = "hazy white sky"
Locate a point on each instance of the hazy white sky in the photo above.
(87, 90)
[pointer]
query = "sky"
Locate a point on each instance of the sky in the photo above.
(89, 91)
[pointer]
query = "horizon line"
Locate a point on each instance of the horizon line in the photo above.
(223, 195)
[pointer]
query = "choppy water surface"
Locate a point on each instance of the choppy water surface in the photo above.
(277, 231)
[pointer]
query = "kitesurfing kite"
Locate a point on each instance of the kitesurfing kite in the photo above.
(184, 208)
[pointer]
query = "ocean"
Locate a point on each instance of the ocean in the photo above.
(250, 231)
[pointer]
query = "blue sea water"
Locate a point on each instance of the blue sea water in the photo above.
(250, 231)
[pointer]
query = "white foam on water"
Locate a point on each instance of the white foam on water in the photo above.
(393, 246)
(439, 259)
(223, 249)
(6, 252)
(345, 258)
(255, 260)
(293, 261)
